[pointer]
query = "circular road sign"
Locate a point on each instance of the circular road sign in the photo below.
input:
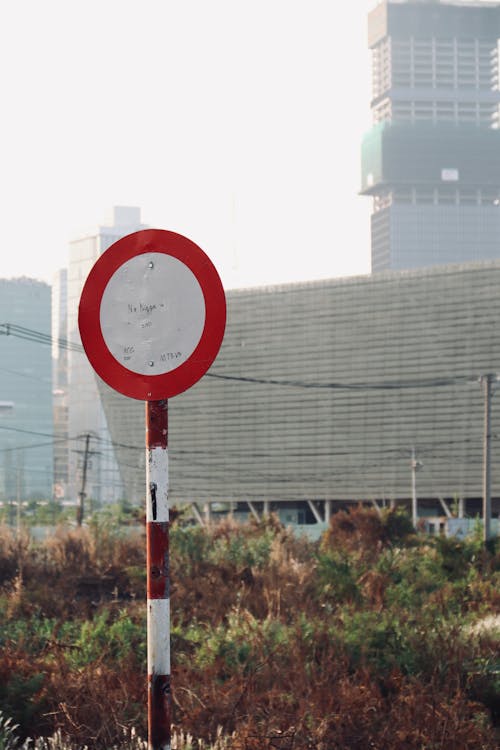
(152, 314)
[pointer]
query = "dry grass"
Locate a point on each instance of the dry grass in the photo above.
(277, 643)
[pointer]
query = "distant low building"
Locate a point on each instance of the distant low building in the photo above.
(323, 390)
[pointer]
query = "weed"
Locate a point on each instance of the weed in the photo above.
(370, 639)
(8, 737)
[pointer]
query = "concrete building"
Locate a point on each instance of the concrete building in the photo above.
(85, 413)
(323, 390)
(431, 163)
(26, 437)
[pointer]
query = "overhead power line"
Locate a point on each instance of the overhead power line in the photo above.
(11, 329)
(19, 374)
(14, 448)
(428, 448)
(381, 386)
(28, 334)
(31, 432)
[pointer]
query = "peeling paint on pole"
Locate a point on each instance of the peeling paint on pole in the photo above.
(158, 575)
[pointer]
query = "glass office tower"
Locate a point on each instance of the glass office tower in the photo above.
(431, 162)
(26, 430)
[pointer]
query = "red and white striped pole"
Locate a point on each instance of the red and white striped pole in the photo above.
(158, 575)
(161, 281)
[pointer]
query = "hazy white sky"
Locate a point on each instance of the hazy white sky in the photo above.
(236, 123)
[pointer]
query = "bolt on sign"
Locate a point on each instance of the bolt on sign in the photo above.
(152, 317)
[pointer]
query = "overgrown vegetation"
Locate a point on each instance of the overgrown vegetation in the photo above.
(372, 638)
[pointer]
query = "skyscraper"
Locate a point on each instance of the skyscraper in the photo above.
(85, 413)
(432, 159)
(26, 432)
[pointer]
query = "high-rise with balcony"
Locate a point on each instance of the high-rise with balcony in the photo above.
(431, 162)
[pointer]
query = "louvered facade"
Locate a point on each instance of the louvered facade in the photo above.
(322, 389)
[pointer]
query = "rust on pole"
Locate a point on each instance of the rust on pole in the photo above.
(158, 575)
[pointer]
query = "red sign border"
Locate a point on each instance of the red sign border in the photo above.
(133, 384)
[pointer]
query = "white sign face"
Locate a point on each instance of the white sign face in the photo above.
(152, 313)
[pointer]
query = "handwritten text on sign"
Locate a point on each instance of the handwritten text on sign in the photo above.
(152, 313)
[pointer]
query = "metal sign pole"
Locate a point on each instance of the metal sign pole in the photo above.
(158, 575)
(152, 316)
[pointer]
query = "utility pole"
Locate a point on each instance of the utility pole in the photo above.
(81, 494)
(18, 495)
(486, 384)
(415, 466)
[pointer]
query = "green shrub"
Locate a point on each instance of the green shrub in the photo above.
(397, 526)
(241, 551)
(191, 545)
(19, 697)
(366, 640)
(106, 638)
(336, 577)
